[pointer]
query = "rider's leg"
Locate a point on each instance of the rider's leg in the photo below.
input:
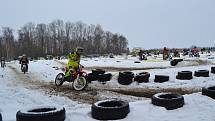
(67, 74)
(26, 67)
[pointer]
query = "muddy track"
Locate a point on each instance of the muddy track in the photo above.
(148, 93)
(89, 95)
(93, 93)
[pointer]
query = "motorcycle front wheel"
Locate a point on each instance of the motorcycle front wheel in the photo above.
(59, 79)
(80, 83)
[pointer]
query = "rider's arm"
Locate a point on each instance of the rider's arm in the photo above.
(20, 61)
(69, 56)
(27, 61)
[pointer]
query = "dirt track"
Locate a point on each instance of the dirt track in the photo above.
(89, 95)
(92, 93)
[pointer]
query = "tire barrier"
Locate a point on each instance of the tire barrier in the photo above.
(179, 60)
(173, 62)
(142, 77)
(125, 78)
(104, 77)
(91, 77)
(184, 75)
(209, 91)
(213, 70)
(137, 62)
(41, 114)
(201, 73)
(168, 100)
(110, 110)
(161, 78)
(98, 71)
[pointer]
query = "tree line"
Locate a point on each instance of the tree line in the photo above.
(59, 38)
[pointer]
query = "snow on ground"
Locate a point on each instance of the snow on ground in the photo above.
(14, 97)
(41, 70)
(152, 62)
(196, 82)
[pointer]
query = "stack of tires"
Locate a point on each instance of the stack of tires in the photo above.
(94, 75)
(91, 77)
(184, 75)
(161, 78)
(174, 62)
(100, 75)
(103, 78)
(213, 70)
(201, 73)
(125, 78)
(142, 77)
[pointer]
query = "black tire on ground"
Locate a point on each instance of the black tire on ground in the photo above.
(125, 78)
(201, 73)
(137, 62)
(41, 114)
(173, 62)
(104, 77)
(128, 73)
(179, 60)
(142, 77)
(161, 78)
(168, 100)
(0, 117)
(147, 73)
(91, 77)
(184, 75)
(110, 110)
(209, 91)
(98, 71)
(213, 70)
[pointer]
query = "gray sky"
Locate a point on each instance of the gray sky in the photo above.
(146, 23)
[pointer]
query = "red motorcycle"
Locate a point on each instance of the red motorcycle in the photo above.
(78, 78)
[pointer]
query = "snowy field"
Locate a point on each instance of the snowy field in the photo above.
(18, 90)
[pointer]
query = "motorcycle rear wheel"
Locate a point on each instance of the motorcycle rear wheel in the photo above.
(79, 83)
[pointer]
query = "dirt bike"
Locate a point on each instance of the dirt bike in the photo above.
(24, 68)
(77, 78)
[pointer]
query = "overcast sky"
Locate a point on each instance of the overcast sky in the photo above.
(145, 23)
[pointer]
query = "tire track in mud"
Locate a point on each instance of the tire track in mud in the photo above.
(149, 92)
(85, 96)
(94, 93)
(89, 95)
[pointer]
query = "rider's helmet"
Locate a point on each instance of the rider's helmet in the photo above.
(79, 50)
(24, 55)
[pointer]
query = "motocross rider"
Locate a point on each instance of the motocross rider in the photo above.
(2, 61)
(24, 61)
(74, 61)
